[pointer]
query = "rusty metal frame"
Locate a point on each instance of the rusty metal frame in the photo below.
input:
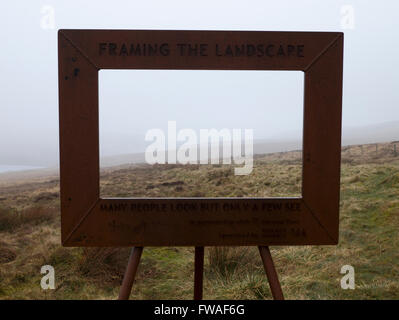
(88, 220)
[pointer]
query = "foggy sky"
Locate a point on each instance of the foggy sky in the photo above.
(132, 102)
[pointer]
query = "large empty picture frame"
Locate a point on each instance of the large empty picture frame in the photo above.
(88, 220)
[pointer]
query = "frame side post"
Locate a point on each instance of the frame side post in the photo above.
(322, 137)
(79, 141)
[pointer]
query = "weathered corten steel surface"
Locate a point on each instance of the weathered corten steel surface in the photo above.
(88, 220)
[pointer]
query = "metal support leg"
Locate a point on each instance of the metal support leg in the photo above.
(271, 273)
(130, 273)
(198, 272)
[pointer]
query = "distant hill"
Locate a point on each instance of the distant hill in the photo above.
(386, 131)
(45, 153)
(382, 132)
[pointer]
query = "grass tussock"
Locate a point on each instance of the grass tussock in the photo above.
(103, 264)
(11, 219)
(229, 261)
(7, 255)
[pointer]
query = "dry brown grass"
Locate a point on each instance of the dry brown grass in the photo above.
(104, 264)
(30, 235)
(10, 219)
(229, 261)
(7, 255)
